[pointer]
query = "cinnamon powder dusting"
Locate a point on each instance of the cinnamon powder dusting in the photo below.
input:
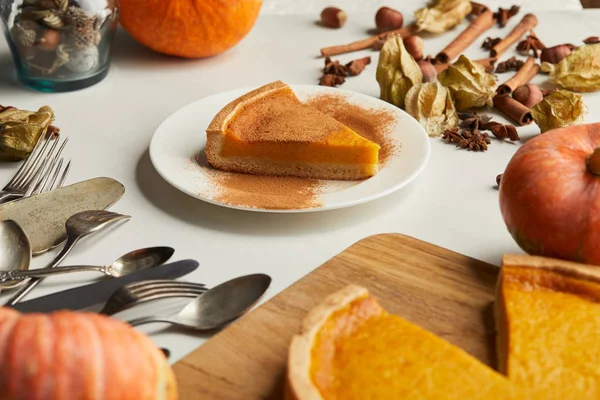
(286, 193)
(372, 124)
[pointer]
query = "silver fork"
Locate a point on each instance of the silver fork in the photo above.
(28, 171)
(140, 292)
(47, 178)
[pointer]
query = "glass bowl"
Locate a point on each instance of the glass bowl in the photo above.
(59, 45)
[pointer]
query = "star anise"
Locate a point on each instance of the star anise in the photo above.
(474, 141)
(531, 44)
(355, 67)
(508, 65)
(472, 121)
(470, 140)
(331, 80)
(490, 42)
(592, 40)
(334, 68)
(503, 15)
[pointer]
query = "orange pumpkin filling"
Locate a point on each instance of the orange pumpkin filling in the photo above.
(552, 327)
(269, 131)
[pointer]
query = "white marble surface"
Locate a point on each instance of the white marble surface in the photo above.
(452, 204)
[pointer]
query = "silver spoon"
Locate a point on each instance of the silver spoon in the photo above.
(77, 226)
(218, 305)
(134, 261)
(15, 249)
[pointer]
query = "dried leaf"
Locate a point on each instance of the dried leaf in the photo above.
(560, 108)
(442, 15)
(469, 84)
(397, 71)
(20, 130)
(431, 105)
(579, 71)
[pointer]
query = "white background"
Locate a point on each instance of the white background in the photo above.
(452, 204)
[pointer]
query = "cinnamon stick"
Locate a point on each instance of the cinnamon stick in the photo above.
(479, 25)
(523, 76)
(488, 64)
(478, 8)
(513, 109)
(367, 43)
(527, 23)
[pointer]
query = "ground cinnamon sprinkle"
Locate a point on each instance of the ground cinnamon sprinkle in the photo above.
(285, 193)
(270, 192)
(374, 125)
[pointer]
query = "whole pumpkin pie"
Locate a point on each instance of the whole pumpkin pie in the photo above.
(548, 317)
(268, 131)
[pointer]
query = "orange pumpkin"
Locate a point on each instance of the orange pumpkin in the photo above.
(189, 28)
(550, 194)
(79, 356)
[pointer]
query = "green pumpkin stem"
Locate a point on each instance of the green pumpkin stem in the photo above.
(593, 162)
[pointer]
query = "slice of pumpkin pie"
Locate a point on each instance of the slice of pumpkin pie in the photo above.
(268, 131)
(350, 348)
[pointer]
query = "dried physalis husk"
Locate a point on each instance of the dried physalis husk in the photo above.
(431, 104)
(560, 108)
(469, 84)
(397, 71)
(442, 15)
(20, 130)
(579, 71)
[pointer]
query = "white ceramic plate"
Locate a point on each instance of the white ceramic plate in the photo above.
(181, 137)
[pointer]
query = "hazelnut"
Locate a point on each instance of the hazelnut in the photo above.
(333, 17)
(528, 95)
(49, 40)
(414, 46)
(555, 54)
(428, 70)
(388, 19)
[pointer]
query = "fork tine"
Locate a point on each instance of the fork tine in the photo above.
(50, 184)
(37, 163)
(29, 161)
(50, 164)
(161, 283)
(61, 182)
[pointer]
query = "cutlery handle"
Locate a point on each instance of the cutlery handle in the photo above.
(33, 282)
(147, 320)
(42, 272)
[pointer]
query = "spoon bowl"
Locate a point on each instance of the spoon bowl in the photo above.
(217, 306)
(15, 250)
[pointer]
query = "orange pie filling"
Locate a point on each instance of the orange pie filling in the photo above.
(363, 352)
(551, 339)
(303, 135)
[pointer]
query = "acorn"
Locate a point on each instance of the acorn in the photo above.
(49, 40)
(428, 70)
(414, 46)
(555, 54)
(528, 95)
(388, 19)
(333, 17)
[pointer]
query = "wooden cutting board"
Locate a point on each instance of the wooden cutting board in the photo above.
(445, 292)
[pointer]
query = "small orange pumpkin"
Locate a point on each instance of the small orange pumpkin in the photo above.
(550, 194)
(188, 28)
(79, 355)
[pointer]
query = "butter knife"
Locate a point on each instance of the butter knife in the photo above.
(98, 293)
(43, 216)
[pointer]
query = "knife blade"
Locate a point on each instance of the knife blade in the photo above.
(43, 216)
(98, 293)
